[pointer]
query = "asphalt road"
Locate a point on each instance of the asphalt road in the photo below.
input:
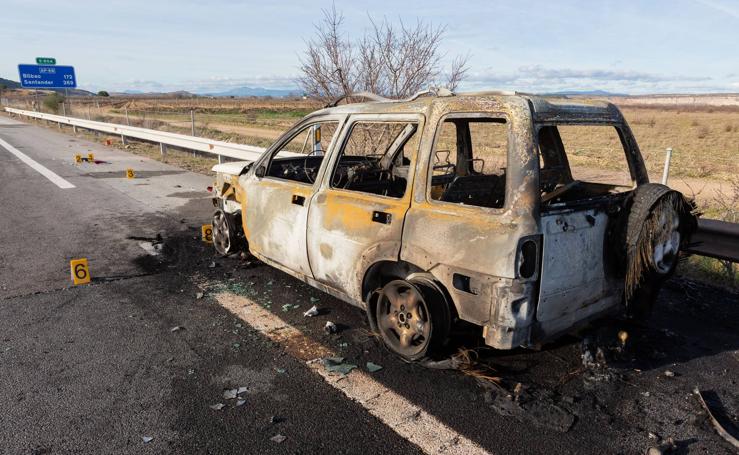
(96, 368)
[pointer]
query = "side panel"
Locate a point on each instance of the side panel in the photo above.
(472, 250)
(573, 273)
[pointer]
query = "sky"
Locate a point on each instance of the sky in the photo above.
(634, 47)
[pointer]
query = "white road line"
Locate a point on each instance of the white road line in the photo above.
(398, 413)
(58, 181)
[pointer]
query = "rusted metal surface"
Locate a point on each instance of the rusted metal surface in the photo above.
(332, 239)
(716, 239)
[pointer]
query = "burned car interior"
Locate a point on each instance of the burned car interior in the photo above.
(373, 158)
(556, 181)
(470, 162)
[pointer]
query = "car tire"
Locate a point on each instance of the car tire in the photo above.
(659, 223)
(224, 233)
(412, 318)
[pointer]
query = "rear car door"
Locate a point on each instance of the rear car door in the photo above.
(279, 191)
(356, 217)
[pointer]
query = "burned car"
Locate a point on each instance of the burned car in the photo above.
(523, 215)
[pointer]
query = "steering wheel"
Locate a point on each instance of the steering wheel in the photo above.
(560, 191)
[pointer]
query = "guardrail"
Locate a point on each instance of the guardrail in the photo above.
(716, 239)
(163, 138)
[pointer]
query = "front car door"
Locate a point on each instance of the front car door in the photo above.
(278, 192)
(356, 217)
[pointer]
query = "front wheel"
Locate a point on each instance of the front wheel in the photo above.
(224, 235)
(411, 319)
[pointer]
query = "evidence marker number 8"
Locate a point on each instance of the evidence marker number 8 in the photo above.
(80, 271)
(207, 230)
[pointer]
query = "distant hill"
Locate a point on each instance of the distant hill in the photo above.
(9, 84)
(585, 93)
(72, 91)
(255, 91)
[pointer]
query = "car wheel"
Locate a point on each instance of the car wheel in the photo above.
(410, 319)
(222, 233)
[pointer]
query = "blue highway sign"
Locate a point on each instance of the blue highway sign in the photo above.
(47, 76)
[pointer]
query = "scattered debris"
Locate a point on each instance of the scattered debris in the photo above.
(230, 394)
(312, 312)
(176, 328)
(664, 448)
(314, 299)
(669, 373)
(532, 405)
(240, 402)
(147, 439)
(241, 390)
(217, 406)
(373, 367)
(338, 365)
(199, 295)
(330, 327)
(278, 438)
(720, 428)
(280, 370)
(276, 419)
(152, 249)
(466, 361)
(289, 306)
(212, 265)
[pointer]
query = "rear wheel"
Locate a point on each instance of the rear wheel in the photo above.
(411, 319)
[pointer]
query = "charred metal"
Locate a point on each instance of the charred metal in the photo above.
(457, 207)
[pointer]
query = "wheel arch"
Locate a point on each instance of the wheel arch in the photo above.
(382, 272)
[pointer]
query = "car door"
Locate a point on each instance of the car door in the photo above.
(356, 217)
(279, 190)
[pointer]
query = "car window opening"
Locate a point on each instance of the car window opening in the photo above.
(576, 163)
(375, 158)
(469, 162)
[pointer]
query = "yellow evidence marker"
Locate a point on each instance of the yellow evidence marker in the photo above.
(78, 158)
(90, 157)
(207, 233)
(80, 271)
(130, 174)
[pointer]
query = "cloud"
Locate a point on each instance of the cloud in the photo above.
(538, 78)
(720, 7)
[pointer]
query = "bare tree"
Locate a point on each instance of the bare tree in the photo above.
(328, 65)
(391, 60)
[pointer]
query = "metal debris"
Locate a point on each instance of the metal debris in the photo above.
(278, 438)
(338, 365)
(241, 390)
(373, 367)
(147, 439)
(217, 406)
(176, 328)
(669, 373)
(312, 312)
(199, 295)
(330, 327)
(230, 394)
(240, 402)
(720, 429)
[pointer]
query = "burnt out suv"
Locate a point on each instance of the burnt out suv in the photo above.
(523, 215)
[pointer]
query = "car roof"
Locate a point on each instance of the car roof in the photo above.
(543, 108)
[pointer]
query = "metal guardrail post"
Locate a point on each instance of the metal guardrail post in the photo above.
(666, 170)
(192, 121)
(163, 150)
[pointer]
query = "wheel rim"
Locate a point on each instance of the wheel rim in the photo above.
(403, 318)
(667, 244)
(221, 233)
